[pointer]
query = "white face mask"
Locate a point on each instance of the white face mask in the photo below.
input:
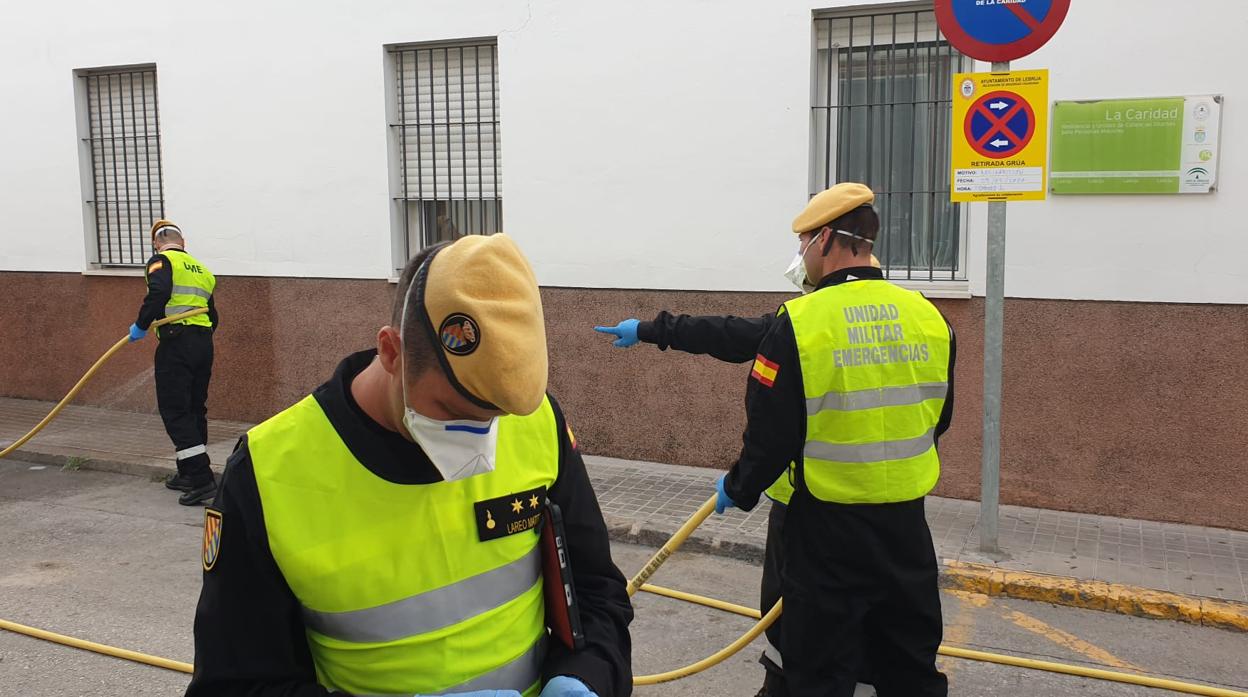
(458, 449)
(797, 270)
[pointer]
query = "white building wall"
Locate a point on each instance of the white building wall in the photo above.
(646, 144)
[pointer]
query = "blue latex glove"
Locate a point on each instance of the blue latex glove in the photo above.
(565, 686)
(722, 500)
(136, 333)
(626, 333)
(480, 693)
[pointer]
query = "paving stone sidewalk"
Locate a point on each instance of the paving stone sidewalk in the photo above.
(647, 502)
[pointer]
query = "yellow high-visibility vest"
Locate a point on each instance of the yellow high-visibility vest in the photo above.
(193, 285)
(875, 372)
(400, 594)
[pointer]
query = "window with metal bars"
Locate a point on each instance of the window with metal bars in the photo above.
(123, 137)
(883, 96)
(447, 123)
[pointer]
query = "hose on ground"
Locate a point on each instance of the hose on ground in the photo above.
(86, 377)
(637, 583)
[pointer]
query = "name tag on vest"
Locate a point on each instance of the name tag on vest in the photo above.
(509, 515)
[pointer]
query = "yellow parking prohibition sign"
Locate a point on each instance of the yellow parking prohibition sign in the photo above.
(1000, 136)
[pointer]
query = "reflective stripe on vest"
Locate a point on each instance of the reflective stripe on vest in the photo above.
(193, 285)
(877, 397)
(431, 610)
(874, 359)
(399, 594)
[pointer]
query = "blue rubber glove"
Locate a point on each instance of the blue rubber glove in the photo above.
(480, 693)
(626, 333)
(722, 500)
(136, 333)
(565, 686)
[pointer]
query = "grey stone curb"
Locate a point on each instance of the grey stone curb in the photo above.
(634, 531)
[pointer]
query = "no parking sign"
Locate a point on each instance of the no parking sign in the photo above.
(1000, 122)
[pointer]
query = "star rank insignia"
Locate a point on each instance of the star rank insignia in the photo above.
(509, 515)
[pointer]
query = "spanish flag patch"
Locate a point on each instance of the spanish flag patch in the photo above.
(765, 371)
(155, 266)
(572, 437)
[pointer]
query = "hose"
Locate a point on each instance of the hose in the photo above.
(669, 548)
(126, 654)
(638, 582)
(1094, 673)
(952, 652)
(703, 600)
(717, 657)
(69, 397)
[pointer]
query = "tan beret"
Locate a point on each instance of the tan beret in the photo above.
(481, 301)
(831, 204)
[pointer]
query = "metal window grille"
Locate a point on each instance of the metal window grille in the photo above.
(128, 192)
(882, 107)
(448, 134)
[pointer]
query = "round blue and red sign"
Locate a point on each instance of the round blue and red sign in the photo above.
(999, 30)
(999, 124)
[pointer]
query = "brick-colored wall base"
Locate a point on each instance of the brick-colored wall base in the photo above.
(1130, 409)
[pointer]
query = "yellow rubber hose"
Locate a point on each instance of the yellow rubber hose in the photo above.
(1094, 673)
(69, 397)
(717, 657)
(703, 600)
(951, 651)
(638, 582)
(97, 648)
(669, 548)
(673, 543)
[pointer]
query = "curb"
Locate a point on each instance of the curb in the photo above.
(151, 471)
(1095, 595)
(634, 532)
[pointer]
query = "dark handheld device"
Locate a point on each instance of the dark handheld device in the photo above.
(563, 616)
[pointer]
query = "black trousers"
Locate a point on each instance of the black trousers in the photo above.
(183, 370)
(860, 591)
(769, 593)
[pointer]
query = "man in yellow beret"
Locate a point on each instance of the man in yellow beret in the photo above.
(853, 382)
(381, 536)
(734, 339)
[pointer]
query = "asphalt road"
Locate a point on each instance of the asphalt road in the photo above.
(114, 559)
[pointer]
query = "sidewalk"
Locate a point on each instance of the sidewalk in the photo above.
(1105, 563)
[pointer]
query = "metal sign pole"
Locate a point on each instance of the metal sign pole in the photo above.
(994, 315)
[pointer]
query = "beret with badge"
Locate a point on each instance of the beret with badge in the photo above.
(479, 302)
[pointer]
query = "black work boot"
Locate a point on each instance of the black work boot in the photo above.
(177, 482)
(200, 494)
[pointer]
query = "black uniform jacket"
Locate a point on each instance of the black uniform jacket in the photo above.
(249, 636)
(728, 338)
(159, 288)
(776, 414)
